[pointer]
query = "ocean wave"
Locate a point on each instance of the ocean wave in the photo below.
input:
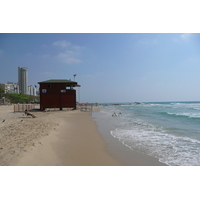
(189, 115)
(169, 149)
(168, 131)
(194, 106)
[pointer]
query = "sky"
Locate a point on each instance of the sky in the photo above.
(110, 67)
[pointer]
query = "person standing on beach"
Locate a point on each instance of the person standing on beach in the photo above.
(114, 114)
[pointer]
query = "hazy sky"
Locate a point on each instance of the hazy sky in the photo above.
(110, 67)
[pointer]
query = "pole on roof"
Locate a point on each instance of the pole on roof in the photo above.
(74, 76)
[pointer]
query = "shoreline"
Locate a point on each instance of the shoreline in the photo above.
(121, 152)
(63, 138)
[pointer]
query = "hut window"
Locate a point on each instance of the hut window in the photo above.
(68, 87)
(63, 91)
(49, 86)
(44, 91)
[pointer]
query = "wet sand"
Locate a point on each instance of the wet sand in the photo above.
(119, 151)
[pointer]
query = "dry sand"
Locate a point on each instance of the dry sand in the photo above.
(60, 138)
(51, 139)
(20, 134)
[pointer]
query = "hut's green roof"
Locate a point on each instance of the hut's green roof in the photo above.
(59, 81)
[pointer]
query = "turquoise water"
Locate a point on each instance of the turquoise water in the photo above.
(168, 131)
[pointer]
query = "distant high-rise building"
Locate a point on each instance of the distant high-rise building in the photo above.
(32, 90)
(23, 80)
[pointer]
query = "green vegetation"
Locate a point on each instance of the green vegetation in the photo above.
(21, 98)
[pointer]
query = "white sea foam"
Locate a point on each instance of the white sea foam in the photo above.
(169, 149)
(155, 130)
(195, 106)
(190, 115)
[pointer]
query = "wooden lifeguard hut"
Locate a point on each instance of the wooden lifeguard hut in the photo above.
(58, 93)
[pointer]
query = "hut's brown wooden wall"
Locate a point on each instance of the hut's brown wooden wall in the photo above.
(54, 98)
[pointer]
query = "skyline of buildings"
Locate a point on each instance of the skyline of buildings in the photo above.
(21, 87)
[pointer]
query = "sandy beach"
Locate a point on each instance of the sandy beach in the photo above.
(60, 138)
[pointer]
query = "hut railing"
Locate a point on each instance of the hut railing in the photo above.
(23, 107)
(86, 108)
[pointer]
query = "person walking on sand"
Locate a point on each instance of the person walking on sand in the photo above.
(28, 113)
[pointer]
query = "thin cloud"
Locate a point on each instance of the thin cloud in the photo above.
(70, 53)
(62, 43)
(69, 57)
(185, 36)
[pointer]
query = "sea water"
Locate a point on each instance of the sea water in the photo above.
(168, 131)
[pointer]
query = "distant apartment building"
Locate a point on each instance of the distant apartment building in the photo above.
(10, 87)
(23, 80)
(32, 90)
(21, 87)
